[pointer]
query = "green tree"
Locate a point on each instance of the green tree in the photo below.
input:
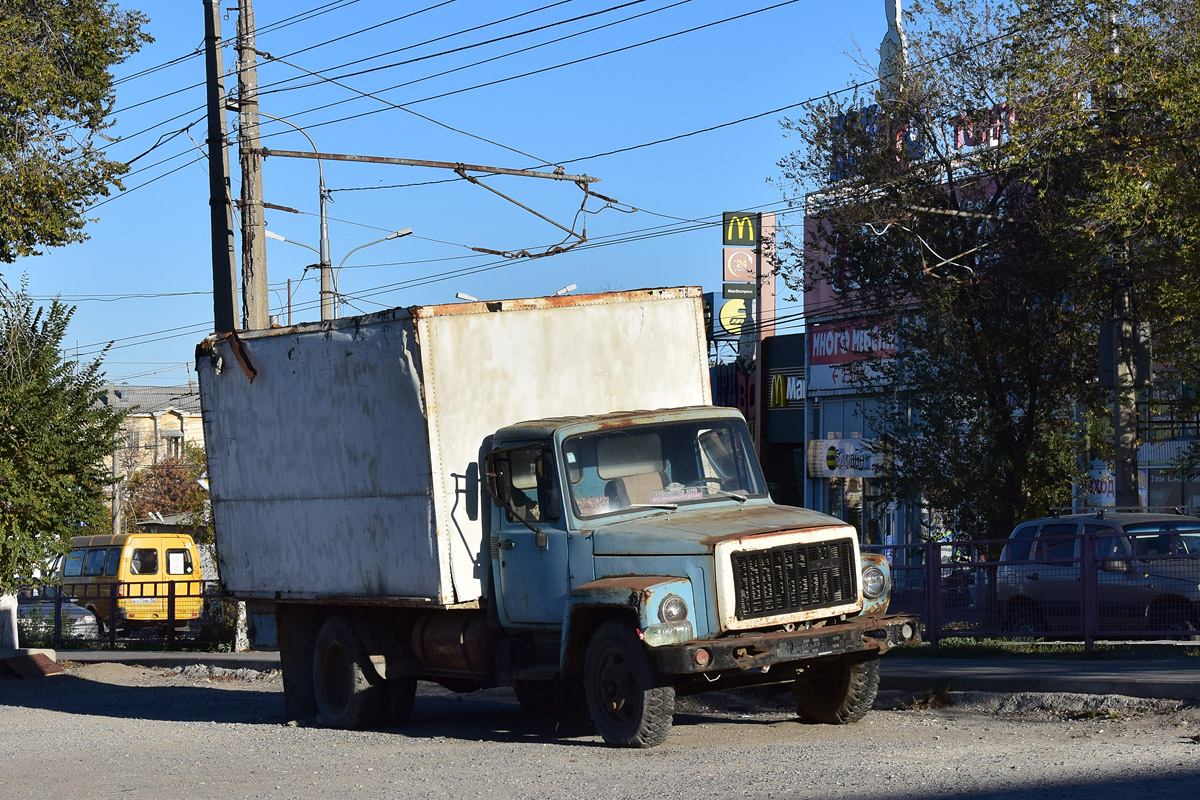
(963, 197)
(54, 438)
(1115, 87)
(55, 97)
(170, 487)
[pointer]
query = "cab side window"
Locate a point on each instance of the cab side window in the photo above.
(535, 495)
(1108, 543)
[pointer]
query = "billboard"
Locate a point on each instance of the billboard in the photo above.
(836, 348)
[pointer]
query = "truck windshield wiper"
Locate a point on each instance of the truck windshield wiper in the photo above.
(741, 498)
(666, 506)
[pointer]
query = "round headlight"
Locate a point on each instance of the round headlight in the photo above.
(672, 609)
(874, 582)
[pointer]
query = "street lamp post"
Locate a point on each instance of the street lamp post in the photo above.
(342, 263)
(327, 311)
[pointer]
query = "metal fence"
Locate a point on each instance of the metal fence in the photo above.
(107, 613)
(1074, 591)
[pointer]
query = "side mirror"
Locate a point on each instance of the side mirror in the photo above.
(499, 481)
(1115, 565)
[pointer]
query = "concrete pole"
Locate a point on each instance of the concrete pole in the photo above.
(224, 264)
(254, 252)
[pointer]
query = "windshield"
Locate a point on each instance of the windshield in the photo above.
(660, 466)
(1154, 538)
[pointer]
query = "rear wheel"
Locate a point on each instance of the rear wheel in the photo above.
(837, 691)
(399, 696)
(1173, 617)
(349, 692)
(629, 703)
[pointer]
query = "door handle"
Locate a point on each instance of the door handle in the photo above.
(506, 544)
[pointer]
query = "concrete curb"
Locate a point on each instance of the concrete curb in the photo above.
(1161, 679)
(261, 661)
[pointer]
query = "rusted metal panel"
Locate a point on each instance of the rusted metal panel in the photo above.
(760, 651)
(350, 466)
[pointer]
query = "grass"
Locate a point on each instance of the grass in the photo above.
(938, 697)
(962, 647)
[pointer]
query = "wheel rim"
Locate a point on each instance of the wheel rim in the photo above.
(617, 688)
(334, 665)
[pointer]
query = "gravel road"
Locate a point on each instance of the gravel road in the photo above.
(108, 730)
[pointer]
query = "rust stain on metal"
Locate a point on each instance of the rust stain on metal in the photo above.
(839, 532)
(642, 584)
(239, 353)
(555, 301)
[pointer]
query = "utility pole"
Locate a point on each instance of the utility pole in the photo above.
(254, 252)
(224, 264)
(1125, 410)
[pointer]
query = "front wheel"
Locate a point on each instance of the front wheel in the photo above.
(837, 691)
(630, 705)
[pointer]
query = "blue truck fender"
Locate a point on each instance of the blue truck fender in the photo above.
(643, 599)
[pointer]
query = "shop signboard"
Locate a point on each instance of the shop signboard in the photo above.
(836, 350)
(841, 458)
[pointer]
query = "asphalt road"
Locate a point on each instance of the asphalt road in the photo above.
(107, 730)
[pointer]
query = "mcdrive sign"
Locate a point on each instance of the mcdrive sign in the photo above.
(834, 346)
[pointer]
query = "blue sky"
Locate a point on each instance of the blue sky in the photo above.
(144, 278)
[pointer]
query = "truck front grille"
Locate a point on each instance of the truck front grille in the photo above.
(801, 577)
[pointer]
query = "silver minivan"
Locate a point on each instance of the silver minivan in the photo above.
(1147, 574)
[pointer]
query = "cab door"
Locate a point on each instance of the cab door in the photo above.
(529, 535)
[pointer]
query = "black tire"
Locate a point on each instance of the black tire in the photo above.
(399, 696)
(1173, 618)
(101, 628)
(630, 705)
(536, 697)
(349, 692)
(837, 691)
(1023, 620)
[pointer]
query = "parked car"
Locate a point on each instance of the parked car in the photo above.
(1147, 573)
(35, 616)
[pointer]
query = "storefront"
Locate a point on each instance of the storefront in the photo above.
(782, 446)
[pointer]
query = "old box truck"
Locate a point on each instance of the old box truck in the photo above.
(534, 493)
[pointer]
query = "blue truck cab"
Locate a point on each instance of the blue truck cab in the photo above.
(636, 554)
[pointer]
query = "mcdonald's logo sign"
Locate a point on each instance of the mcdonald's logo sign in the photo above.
(785, 388)
(740, 228)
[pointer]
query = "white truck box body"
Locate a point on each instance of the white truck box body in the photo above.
(349, 466)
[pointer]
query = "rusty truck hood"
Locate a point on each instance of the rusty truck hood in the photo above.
(695, 530)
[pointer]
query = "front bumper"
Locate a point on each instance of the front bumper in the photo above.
(757, 650)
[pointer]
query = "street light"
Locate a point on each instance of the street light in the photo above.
(278, 238)
(570, 287)
(389, 237)
(326, 290)
(466, 298)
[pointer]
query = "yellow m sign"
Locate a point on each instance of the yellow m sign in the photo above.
(740, 228)
(778, 391)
